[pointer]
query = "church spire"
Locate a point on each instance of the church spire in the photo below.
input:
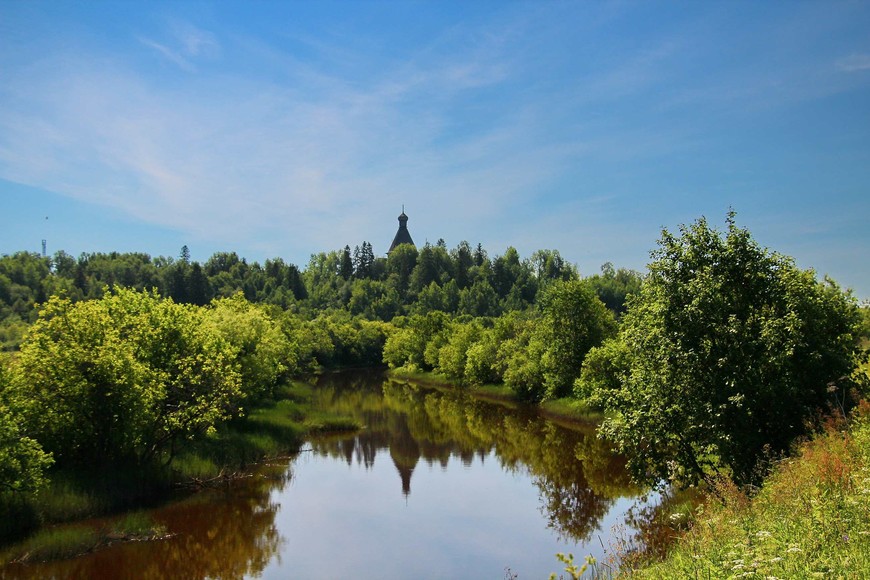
(403, 236)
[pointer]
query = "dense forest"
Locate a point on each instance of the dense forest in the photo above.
(122, 358)
(708, 365)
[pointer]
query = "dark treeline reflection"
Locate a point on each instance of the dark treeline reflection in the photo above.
(233, 532)
(229, 533)
(578, 475)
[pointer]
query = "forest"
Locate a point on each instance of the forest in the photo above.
(709, 365)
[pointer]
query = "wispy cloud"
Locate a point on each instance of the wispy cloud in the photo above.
(502, 130)
(240, 156)
(184, 44)
(854, 63)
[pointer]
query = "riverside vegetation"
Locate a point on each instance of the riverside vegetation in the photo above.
(708, 369)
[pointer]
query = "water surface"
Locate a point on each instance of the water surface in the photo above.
(437, 485)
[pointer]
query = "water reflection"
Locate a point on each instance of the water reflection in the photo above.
(228, 533)
(578, 475)
(417, 435)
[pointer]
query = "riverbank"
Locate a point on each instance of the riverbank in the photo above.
(566, 411)
(811, 518)
(32, 525)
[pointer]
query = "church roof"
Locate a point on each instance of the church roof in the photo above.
(403, 236)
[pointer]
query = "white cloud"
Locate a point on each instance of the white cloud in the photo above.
(184, 45)
(236, 157)
(854, 63)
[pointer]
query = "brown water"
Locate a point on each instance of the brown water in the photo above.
(438, 485)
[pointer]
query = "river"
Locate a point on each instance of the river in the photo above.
(437, 485)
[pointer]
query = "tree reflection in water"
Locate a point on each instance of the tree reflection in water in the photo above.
(233, 533)
(577, 474)
(227, 533)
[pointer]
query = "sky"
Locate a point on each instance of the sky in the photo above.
(282, 129)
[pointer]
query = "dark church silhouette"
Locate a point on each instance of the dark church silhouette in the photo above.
(403, 236)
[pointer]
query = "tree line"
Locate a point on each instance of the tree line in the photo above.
(718, 357)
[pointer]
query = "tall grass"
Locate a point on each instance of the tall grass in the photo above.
(810, 519)
(58, 543)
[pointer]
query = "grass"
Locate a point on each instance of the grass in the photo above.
(810, 519)
(62, 542)
(570, 409)
(268, 431)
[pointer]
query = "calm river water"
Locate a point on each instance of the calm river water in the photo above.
(438, 485)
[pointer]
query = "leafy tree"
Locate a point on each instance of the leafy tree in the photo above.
(729, 351)
(22, 460)
(614, 286)
(453, 356)
(574, 320)
(400, 264)
(479, 299)
(407, 345)
(261, 348)
(425, 271)
(462, 263)
(429, 299)
(126, 377)
(549, 265)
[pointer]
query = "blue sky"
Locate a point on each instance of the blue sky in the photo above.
(279, 129)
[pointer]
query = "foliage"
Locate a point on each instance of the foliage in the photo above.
(263, 351)
(22, 460)
(615, 286)
(574, 320)
(126, 377)
(406, 346)
(729, 350)
(604, 371)
(810, 519)
(574, 571)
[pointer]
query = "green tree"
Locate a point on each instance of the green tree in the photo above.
(574, 320)
(345, 268)
(22, 460)
(479, 299)
(614, 286)
(261, 348)
(400, 264)
(126, 377)
(729, 351)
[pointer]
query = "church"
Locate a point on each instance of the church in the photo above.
(403, 236)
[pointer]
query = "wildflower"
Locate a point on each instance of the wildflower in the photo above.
(762, 534)
(775, 560)
(846, 538)
(794, 550)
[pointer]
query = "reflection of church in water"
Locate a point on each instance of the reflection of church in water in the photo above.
(405, 449)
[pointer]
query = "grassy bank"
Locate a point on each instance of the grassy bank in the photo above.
(273, 429)
(565, 410)
(810, 519)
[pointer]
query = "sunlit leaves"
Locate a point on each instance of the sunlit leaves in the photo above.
(122, 378)
(726, 353)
